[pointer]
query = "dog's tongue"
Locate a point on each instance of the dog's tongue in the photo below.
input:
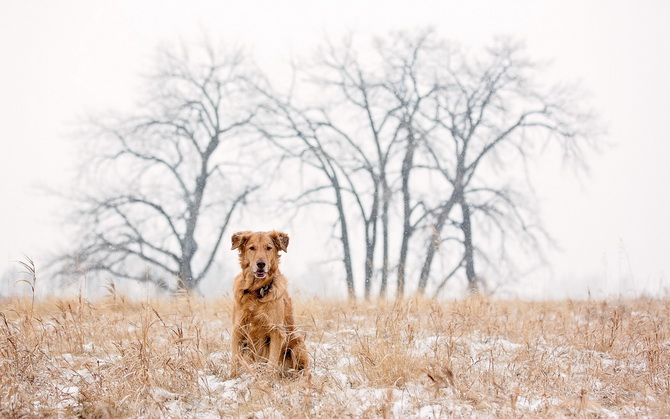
(259, 274)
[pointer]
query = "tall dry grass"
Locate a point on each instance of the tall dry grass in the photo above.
(416, 358)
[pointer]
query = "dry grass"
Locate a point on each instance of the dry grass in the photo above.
(416, 358)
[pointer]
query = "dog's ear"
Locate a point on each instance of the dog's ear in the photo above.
(239, 239)
(280, 240)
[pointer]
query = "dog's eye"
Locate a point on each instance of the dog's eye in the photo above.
(268, 248)
(252, 248)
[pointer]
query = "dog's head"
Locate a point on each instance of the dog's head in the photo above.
(259, 251)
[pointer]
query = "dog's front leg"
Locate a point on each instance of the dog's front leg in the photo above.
(277, 339)
(235, 353)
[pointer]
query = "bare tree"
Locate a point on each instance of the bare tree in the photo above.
(489, 112)
(162, 185)
(404, 57)
(363, 114)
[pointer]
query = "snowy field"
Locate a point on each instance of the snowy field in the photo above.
(413, 359)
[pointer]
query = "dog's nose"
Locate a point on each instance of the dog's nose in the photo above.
(260, 264)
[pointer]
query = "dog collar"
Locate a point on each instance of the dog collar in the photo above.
(262, 291)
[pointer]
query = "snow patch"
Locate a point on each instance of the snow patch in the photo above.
(267, 413)
(430, 412)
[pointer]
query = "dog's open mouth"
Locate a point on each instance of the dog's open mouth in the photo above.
(260, 274)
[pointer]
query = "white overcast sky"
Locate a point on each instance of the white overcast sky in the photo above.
(62, 60)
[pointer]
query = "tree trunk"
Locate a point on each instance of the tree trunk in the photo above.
(188, 244)
(186, 280)
(466, 226)
(435, 242)
(371, 243)
(344, 238)
(385, 239)
(369, 269)
(407, 229)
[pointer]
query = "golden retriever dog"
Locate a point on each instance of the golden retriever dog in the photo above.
(263, 326)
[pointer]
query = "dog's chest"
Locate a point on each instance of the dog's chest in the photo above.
(258, 315)
(254, 314)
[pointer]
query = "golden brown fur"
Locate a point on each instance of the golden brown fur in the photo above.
(263, 326)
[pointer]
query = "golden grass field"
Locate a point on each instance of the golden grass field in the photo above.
(415, 358)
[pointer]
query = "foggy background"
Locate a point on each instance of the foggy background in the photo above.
(61, 62)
